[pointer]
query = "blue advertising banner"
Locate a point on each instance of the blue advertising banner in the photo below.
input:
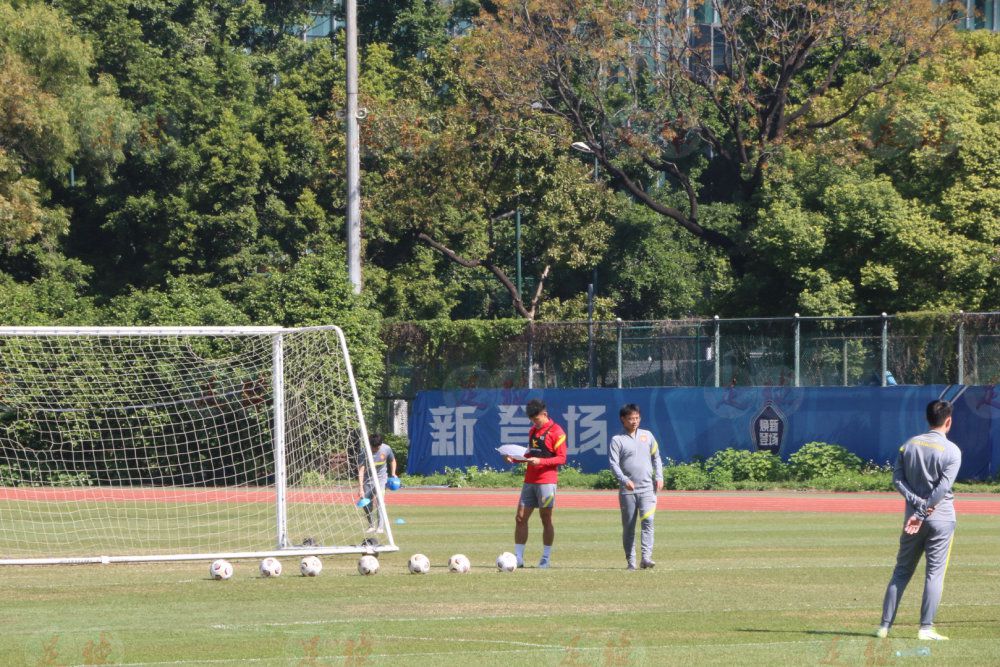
(457, 429)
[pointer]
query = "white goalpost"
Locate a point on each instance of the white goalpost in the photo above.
(180, 443)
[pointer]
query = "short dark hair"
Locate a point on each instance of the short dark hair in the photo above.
(628, 409)
(938, 412)
(534, 407)
(375, 440)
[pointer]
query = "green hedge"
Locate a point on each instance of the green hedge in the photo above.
(817, 465)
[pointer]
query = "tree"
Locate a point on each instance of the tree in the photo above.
(56, 114)
(447, 175)
(653, 90)
(898, 208)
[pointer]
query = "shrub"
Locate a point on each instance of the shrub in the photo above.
(744, 465)
(685, 477)
(400, 449)
(719, 478)
(820, 460)
(605, 479)
(455, 477)
(490, 478)
(572, 477)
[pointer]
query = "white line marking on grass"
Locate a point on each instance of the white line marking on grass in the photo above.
(531, 649)
(457, 640)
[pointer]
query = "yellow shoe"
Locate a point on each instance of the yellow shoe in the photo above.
(882, 632)
(930, 635)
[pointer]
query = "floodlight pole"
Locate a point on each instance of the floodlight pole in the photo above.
(353, 148)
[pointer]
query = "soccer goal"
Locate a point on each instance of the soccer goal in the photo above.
(180, 443)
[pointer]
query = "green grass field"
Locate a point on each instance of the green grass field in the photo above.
(729, 589)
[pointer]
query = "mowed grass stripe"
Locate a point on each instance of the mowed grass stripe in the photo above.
(729, 588)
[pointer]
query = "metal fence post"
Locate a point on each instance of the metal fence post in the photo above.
(718, 361)
(590, 335)
(798, 348)
(843, 359)
(961, 347)
(885, 348)
(618, 323)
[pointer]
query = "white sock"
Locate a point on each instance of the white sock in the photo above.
(546, 552)
(519, 552)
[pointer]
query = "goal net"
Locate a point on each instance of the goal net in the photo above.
(180, 443)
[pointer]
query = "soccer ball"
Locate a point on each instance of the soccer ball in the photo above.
(419, 564)
(310, 566)
(368, 565)
(459, 564)
(270, 567)
(220, 569)
(393, 483)
(506, 562)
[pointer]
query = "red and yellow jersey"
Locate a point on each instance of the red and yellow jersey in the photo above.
(547, 443)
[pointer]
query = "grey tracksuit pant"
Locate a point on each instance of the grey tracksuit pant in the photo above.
(637, 508)
(933, 540)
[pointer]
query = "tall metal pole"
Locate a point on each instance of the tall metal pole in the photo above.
(353, 149)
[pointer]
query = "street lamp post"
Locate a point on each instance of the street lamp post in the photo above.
(584, 147)
(353, 150)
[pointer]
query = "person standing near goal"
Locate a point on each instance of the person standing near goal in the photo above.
(546, 452)
(924, 473)
(383, 456)
(634, 458)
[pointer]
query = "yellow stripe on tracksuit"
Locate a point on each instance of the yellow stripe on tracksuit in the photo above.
(947, 559)
(647, 514)
(559, 442)
(548, 500)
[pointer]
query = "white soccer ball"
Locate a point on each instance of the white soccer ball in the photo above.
(270, 567)
(310, 566)
(419, 564)
(459, 564)
(220, 569)
(368, 565)
(506, 562)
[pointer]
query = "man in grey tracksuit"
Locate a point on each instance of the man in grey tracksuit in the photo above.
(924, 473)
(634, 458)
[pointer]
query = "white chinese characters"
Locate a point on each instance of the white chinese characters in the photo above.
(452, 431)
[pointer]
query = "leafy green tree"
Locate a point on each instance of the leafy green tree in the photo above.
(707, 115)
(896, 210)
(55, 115)
(449, 178)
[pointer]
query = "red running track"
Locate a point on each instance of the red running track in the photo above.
(691, 501)
(698, 501)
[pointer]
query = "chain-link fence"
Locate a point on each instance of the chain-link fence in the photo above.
(917, 348)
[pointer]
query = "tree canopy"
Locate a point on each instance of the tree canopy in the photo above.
(183, 161)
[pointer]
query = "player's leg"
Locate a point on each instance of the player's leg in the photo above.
(910, 549)
(646, 504)
(371, 508)
(546, 505)
(937, 550)
(525, 507)
(630, 509)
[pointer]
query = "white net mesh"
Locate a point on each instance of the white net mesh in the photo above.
(133, 444)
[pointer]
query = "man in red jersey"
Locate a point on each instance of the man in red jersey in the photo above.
(546, 452)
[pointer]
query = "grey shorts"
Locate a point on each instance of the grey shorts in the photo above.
(538, 495)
